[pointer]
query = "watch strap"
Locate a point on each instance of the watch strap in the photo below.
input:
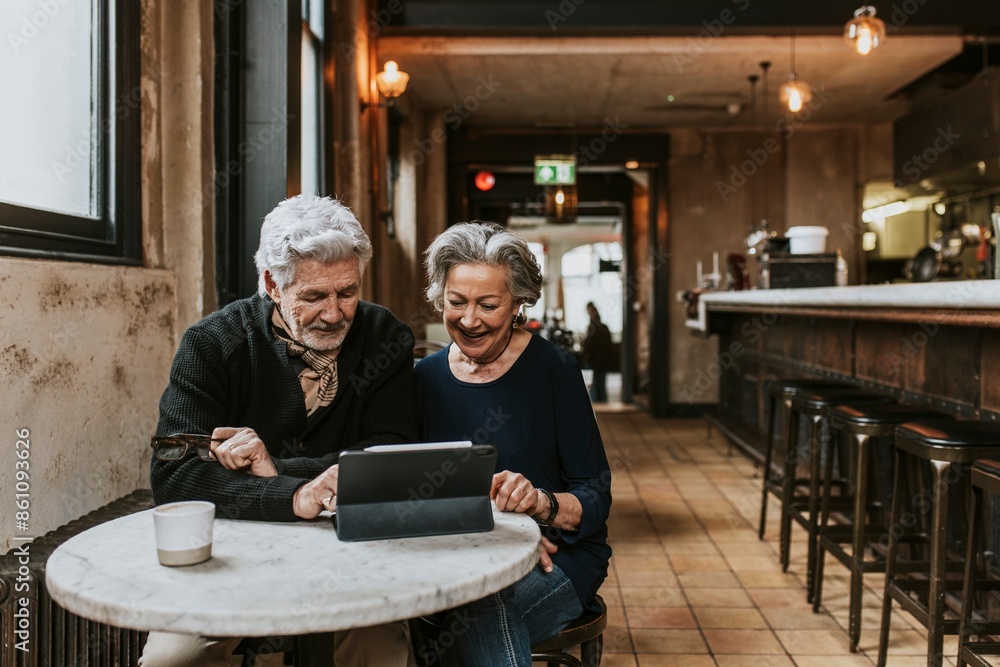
(553, 507)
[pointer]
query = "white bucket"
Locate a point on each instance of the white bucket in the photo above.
(807, 240)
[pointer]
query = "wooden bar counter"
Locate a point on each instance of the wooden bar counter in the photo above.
(934, 344)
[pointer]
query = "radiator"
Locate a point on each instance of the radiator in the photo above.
(57, 637)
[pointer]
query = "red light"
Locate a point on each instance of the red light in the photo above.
(485, 180)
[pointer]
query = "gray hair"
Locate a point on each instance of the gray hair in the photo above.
(483, 243)
(308, 227)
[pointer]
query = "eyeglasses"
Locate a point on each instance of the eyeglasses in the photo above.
(175, 447)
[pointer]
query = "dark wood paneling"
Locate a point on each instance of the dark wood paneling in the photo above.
(965, 317)
(774, 332)
(880, 353)
(801, 335)
(990, 371)
(834, 342)
(942, 362)
(950, 368)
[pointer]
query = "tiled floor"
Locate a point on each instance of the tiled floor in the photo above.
(691, 585)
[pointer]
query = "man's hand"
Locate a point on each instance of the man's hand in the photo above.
(545, 558)
(512, 492)
(241, 448)
(317, 495)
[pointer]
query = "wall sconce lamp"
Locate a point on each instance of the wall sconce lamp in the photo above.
(391, 82)
(865, 31)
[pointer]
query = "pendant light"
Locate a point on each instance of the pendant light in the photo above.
(753, 79)
(794, 93)
(865, 31)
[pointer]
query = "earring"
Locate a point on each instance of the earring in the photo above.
(519, 320)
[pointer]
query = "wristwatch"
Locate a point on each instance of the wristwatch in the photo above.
(553, 508)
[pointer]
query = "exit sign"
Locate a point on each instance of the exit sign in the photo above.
(555, 170)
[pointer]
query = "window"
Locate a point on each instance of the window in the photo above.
(310, 136)
(69, 175)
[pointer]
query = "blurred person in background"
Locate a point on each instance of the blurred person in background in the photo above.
(598, 353)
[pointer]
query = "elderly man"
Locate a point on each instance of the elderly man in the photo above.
(284, 381)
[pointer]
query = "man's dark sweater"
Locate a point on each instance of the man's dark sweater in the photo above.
(230, 370)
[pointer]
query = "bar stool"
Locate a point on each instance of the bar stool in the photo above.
(780, 394)
(985, 477)
(950, 447)
(804, 508)
(859, 424)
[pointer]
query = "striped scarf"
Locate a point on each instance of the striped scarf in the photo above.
(319, 378)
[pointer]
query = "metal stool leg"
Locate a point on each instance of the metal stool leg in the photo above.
(890, 563)
(812, 528)
(590, 652)
(768, 460)
(978, 513)
(858, 542)
(824, 519)
(965, 630)
(939, 536)
(788, 488)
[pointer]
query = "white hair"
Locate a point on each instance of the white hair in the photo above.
(483, 243)
(308, 227)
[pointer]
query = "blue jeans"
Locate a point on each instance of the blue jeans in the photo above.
(500, 629)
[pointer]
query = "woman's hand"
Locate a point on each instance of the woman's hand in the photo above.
(318, 495)
(512, 492)
(242, 448)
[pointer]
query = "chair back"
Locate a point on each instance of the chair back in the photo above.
(425, 348)
(587, 632)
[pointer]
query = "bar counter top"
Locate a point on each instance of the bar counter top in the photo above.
(963, 302)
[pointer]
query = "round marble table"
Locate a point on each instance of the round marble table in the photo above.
(282, 578)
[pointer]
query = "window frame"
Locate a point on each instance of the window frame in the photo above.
(115, 237)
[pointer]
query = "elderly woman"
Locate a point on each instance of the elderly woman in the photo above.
(499, 384)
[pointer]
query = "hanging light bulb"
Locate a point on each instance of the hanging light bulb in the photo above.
(795, 94)
(865, 31)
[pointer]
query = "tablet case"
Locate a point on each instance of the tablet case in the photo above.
(388, 494)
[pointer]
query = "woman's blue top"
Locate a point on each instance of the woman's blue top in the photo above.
(539, 417)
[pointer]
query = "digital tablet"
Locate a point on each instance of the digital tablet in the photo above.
(392, 491)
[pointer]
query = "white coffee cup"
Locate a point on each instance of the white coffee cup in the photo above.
(184, 532)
